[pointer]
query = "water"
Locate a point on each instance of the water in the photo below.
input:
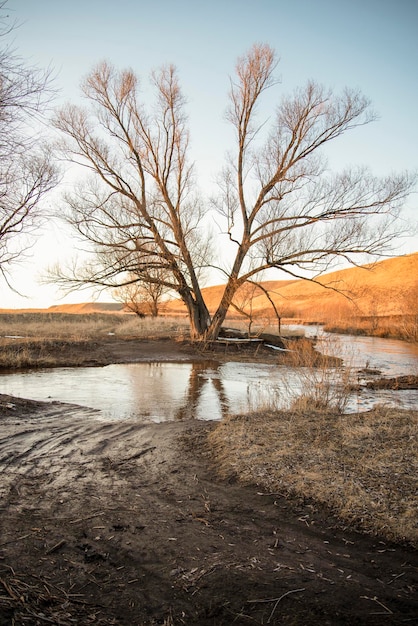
(209, 390)
(390, 356)
(150, 391)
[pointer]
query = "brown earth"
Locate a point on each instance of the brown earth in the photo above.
(130, 524)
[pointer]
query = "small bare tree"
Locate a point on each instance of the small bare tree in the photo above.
(26, 169)
(280, 206)
(142, 298)
(243, 303)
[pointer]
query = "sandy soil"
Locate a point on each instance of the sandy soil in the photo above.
(127, 523)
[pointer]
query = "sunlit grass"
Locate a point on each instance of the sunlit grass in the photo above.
(50, 340)
(363, 467)
(88, 326)
(403, 327)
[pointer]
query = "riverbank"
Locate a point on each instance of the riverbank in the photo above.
(130, 523)
(402, 327)
(23, 353)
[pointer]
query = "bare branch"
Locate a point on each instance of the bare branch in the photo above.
(27, 172)
(278, 206)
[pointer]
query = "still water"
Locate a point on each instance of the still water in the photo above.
(208, 390)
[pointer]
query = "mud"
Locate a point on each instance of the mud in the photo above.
(398, 382)
(129, 524)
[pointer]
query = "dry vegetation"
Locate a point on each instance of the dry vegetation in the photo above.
(364, 467)
(54, 339)
(403, 327)
(75, 327)
(380, 300)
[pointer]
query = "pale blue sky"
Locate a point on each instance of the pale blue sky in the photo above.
(368, 44)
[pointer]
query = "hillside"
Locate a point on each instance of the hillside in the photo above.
(386, 288)
(389, 287)
(87, 307)
(83, 307)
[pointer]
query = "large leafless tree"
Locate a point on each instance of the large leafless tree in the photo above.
(26, 169)
(280, 206)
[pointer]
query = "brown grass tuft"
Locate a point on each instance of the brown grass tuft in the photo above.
(364, 467)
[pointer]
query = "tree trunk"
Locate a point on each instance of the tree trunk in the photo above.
(219, 317)
(198, 315)
(154, 307)
(212, 331)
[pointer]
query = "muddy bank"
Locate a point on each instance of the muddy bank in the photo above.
(20, 354)
(398, 382)
(46, 353)
(127, 523)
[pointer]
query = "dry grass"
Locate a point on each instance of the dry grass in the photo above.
(56, 339)
(27, 353)
(319, 380)
(77, 327)
(403, 327)
(364, 467)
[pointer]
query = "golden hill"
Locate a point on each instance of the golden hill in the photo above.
(87, 307)
(386, 288)
(83, 307)
(389, 287)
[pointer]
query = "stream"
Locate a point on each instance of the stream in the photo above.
(210, 390)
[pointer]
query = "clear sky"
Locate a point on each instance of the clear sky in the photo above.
(367, 44)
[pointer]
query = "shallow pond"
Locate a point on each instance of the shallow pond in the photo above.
(209, 390)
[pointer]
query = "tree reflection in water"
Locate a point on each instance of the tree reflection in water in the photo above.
(205, 380)
(206, 390)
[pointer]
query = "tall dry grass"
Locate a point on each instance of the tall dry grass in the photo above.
(319, 380)
(363, 467)
(49, 340)
(404, 327)
(71, 326)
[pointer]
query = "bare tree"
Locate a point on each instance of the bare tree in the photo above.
(280, 206)
(142, 298)
(243, 302)
(26, 169)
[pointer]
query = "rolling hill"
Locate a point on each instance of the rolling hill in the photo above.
(386, 288)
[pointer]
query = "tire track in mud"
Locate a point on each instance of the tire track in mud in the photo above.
(131, 520)
(62, 444)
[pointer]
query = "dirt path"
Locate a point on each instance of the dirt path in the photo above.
(126, 523)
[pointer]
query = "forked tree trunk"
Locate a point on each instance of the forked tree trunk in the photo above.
(214, 327)
(199, 317)
(220, 314)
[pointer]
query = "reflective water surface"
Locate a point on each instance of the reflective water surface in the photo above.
(206, 390)
(391, 356)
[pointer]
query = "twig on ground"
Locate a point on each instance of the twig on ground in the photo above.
(83, 519)
(56, 547)
(374, 599)
(281, 598)
(276, 601)
(6, 543)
